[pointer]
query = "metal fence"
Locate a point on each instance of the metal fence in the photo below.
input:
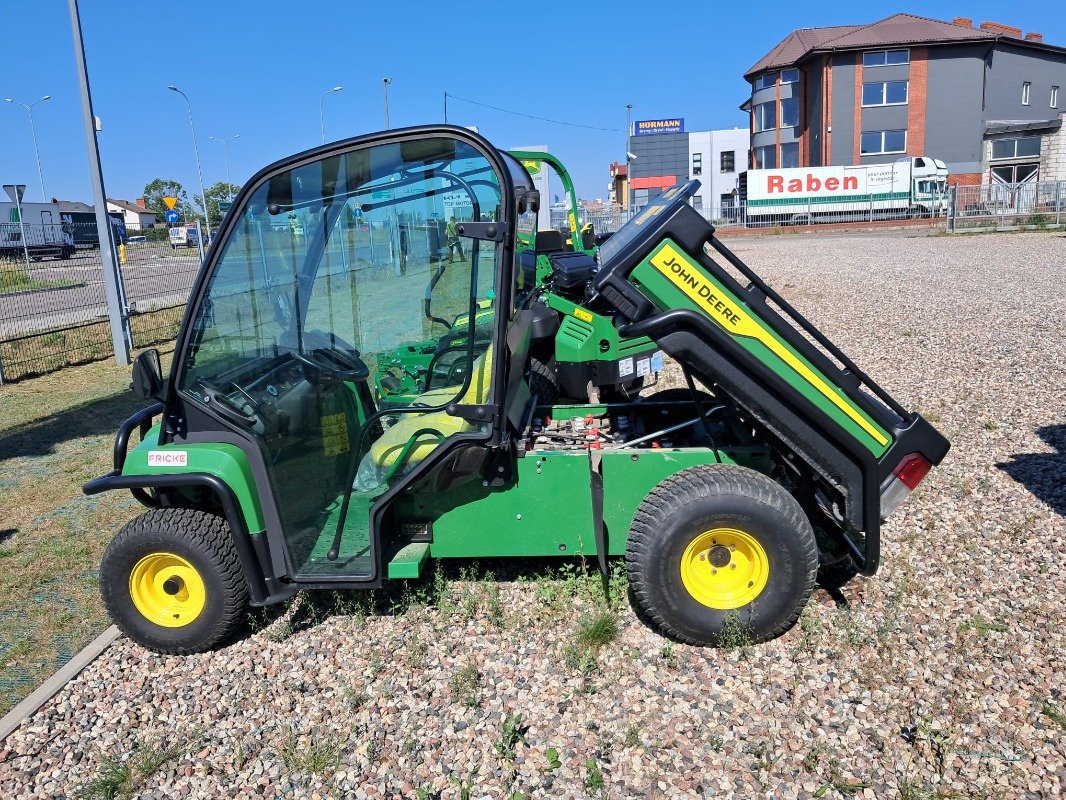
(1008, 206)
(53, 311)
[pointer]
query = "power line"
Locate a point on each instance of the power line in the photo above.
(528, 116)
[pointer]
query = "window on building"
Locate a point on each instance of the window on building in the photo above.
(1026, 86)
(766, 81)
(790, 76)
(765, 116)
(789, 112)
(885, 58)
(766, 157)
(697, 202)
(729, 161)
(790, 154)
(697, 163)
(1054, 96)
(876, 142)
(1020, 147)
(884, 93)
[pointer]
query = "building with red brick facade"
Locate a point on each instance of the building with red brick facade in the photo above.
(986, 99)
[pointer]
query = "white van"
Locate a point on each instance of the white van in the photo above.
(184, 236)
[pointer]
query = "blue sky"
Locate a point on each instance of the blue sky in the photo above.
(259, 68)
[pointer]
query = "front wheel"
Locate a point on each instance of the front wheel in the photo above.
(171, 580)
(721, 555)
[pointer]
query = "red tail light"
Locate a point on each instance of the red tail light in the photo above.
(911, 470)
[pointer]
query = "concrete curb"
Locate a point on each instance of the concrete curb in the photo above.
(43, 693)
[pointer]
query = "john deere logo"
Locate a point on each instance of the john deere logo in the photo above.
(532, 167)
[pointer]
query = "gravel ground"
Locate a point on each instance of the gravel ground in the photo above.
(942, 676)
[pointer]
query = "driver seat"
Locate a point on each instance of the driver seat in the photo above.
(390, 445)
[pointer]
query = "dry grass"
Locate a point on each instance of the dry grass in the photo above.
(56, 432)
(52, 350)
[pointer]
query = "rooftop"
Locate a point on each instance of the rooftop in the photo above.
(898, 29)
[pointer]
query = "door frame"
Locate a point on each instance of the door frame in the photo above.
(175, 416)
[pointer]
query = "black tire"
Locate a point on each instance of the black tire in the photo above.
(201, 539)
(543, 382)
(691, 505)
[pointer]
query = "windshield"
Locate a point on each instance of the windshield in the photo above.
(343, 253)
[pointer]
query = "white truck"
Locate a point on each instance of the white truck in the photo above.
(47, 233)
(184, 236)
(909, 187)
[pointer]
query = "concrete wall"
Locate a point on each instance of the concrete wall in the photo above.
(842, 117)
(954, 126)
(1011, 65)
(815, 92)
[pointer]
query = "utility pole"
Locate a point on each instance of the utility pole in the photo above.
(385, 87)
(120, 333)
(225, 149)
(629, 162)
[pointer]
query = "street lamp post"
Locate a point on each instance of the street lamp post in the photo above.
(321, 111)
(385, 88)
(225, 149)
(196, 152)
(33, 133)
(629, 161)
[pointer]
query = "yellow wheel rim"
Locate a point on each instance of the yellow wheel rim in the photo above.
(167, 590)
(724, 568)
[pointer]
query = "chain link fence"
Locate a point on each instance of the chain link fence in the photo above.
(53, 311)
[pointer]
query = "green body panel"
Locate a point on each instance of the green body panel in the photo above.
(665, 294)
(578, 340)
(224, 461)
(547, 509)
(408, 562)
(628, 476)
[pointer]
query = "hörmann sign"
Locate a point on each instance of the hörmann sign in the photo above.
(644, 127)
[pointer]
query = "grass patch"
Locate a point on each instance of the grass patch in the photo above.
(120, 778)
(595, 631)
(14, 278)
(56, 432)
(316, 756)
(465, 684)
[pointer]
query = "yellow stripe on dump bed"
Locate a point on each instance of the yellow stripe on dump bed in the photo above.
(736, 320)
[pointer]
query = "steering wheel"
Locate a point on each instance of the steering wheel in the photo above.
(352, 368)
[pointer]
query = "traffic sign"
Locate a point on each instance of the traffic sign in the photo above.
(172, 217)
(224, 206)
(15, 191)
(170, 202)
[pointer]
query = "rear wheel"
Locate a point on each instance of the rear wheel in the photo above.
(721, 554)
(171, 580)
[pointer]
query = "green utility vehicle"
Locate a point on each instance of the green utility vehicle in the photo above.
(269, 465)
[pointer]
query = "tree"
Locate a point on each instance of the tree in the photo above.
(220, 192)
(155, 191)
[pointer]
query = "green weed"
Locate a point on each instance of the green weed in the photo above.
(596, 631)
(321, 753)
(122, 778)
(1054, 714)
(512, 734)
(594, 782)
(552, 757)
(465, 684)
(983, 627)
